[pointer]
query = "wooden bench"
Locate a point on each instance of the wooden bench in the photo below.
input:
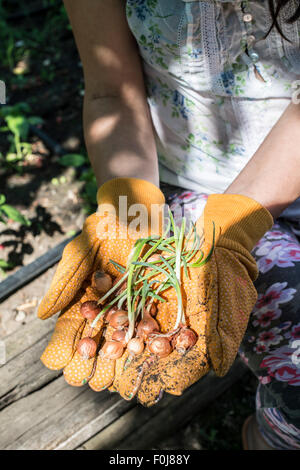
(39, 410)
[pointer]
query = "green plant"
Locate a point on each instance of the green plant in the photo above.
(139, 282)
(8, 212)
(17, 125)
(40, 40)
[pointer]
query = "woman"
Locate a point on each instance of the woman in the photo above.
(206, 87)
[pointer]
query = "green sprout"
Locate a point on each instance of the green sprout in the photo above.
(143, 286)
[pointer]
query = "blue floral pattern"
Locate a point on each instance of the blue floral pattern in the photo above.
(211, 104)
(271, 345)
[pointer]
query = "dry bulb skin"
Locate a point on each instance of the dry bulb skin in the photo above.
(109, 313)
(119, 335)
(161, 347)
(152, 310)
(90, 310)
(112, 350)
(184, 340)
(146, 327)
(119, 319)
(153, 258)
(135, 346)
(87, 348)
(103, 281)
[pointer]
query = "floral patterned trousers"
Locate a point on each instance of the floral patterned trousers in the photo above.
(271, 345)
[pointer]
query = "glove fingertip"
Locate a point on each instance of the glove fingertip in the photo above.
(51, 361)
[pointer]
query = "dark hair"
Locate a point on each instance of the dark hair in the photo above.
(275, 10)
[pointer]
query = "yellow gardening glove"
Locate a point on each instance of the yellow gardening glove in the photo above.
(218, 299)
(72, 285)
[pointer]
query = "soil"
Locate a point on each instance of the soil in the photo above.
(47, 193)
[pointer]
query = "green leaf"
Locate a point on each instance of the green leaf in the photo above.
(88, 175)
(2, 199)
(18, 125)
(12, 157)
(5, 264)
(71, 233)
(90, 190)
(118, 266)
(156, 296)
(14, 214)
(72, 159)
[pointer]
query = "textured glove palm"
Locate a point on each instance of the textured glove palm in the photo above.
(219, 298)
(72, 284)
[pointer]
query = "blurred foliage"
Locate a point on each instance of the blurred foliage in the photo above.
(7, 213)
(29, 46)
(32, 54)
(33, 39)
(17, 129)
(34, 51)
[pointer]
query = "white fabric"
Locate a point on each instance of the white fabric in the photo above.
(213, 94)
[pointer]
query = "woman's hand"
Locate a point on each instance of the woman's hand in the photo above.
(71, 285)
(219, 297)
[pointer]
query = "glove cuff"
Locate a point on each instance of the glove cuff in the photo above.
(137, 191)
(136, 205)
(237, 218)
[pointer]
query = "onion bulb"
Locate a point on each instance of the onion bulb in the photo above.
(153, 258)
(103, 281)
(109, 313)
(152, 311)
(119, 319)
(90, 309)
(161, 347)
(135, 346)
(185, 340)
(87, 348)
(112, 350)
(119, 335)
(147, 326)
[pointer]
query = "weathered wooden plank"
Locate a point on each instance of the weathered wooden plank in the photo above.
(23, 371)
(25, 274)
(39, 411)
(157, 422)
(62, 417)
(24, 374)
(26, 336)
(38, 287)
(58, 417)
(112, 412)
(43, 412)
(28, 412)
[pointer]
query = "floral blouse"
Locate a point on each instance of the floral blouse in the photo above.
(216, 85)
